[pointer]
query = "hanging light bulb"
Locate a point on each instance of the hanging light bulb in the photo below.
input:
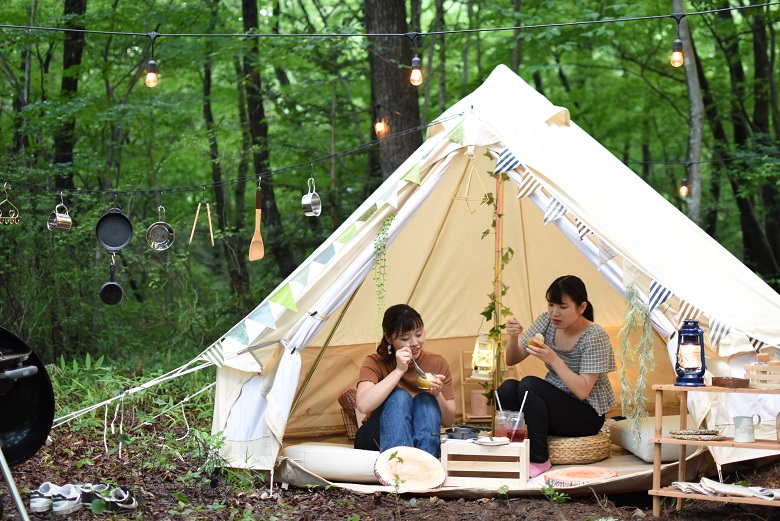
(416, 77)
(151, 67)
(677, 53)
(151, 74)
(380, 127)
(684, 190)
(677, 47)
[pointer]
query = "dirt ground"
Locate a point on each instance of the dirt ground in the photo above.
(174, 492)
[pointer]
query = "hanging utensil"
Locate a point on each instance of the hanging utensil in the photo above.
(195, 223)
(111, 292)
(256, 247)
(160, 235)
(9, 214)
(59, 219)
(311, 203)
(114, 230)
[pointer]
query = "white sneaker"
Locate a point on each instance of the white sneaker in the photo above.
(41, 499)
(66, 501)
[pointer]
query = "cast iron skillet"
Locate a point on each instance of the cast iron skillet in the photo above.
(461, 433)
(114, 230)
(26, 402)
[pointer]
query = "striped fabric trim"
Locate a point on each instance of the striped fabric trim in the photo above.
(582, 228)
(506, 162)
(529, 184)
(658, 295)
(555, 210)
(688, 311)
(718, 331)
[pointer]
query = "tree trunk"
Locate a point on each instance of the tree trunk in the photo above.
(517, 47)
(395, 98)
(273, 238)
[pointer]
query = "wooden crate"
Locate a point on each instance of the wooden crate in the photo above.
(472, 465)
(763, 376)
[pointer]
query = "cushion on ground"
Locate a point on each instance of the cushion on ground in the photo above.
(335, 462)
(622, 436)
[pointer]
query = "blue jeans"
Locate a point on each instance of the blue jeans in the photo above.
(403, 420)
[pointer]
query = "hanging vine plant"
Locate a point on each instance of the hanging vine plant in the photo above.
(633, 400)
(380, 269)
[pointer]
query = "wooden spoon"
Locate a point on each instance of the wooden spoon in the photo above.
(256, 247)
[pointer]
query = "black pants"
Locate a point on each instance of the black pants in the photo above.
(548, 411)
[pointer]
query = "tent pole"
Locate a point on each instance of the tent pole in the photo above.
(497, 291)
(322, 351)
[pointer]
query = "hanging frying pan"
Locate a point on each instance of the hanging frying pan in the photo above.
(114, 230)
(160, 235)
(111, 292)
(26, 400)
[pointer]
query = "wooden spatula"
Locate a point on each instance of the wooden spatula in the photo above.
(256, 247)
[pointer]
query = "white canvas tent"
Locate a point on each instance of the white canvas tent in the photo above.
(570, 207)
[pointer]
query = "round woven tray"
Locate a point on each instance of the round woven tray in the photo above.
(579, 451)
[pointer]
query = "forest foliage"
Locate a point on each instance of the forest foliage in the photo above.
(78, 126)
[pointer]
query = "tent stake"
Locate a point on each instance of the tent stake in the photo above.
(322, 352)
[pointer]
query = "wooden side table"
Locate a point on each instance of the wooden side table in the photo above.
(657, 491)
(472, 465)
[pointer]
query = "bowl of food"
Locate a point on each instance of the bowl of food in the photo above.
(425, 383)
(538, 339)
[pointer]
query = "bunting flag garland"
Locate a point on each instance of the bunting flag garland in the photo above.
(456, 134)
(688, 311)
(284, 297)
(413, 175)
(506, 162)
(757, 344)
(326, 255)
(658, 295)
(606, 252)
(631, 273)
(238, 334)
(215, 354)
(302, 277)
(718, 331)
(555, 210)
(529, 185)
(263, 315)
(582, 228)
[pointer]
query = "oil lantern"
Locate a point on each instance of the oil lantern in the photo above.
(482, 358)
(690, 355)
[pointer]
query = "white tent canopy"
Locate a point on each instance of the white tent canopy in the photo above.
(570, 207)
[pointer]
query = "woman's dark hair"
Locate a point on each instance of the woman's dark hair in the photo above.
(573, 287)
(398, 319)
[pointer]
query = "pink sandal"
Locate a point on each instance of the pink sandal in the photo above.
(539, 468)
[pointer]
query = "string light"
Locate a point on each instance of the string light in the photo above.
(416, 77)
(684, 190)
(677, 47)
(151, 67)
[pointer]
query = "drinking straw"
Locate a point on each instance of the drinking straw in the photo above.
(520, 414)
(498, 402)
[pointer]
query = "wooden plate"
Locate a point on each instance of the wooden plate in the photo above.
(413, 468)
(574, 476)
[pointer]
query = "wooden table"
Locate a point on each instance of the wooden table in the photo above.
(468, 464)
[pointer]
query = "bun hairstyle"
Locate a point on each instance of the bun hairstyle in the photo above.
(575, 289)
(398, 319)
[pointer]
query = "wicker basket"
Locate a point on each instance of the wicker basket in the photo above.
(579, 451)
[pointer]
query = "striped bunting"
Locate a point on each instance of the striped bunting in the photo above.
(555, 210)
(688, 311)
(757, 344)
(582, 228)
(658, 295)
(718, 331)
(606, 252)
(215, 354)
(506, 162)
(529, 185)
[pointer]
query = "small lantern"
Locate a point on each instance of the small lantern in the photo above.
(690, 355)
(482, 361)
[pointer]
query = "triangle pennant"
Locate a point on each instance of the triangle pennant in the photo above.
(555, 210)
(263, 315)
(456, 134)
(506, 162)
(582, 228)
(326, 255)
(302, 277)
(284, 297)
(215, 354)
(658, 295)
(368, 213)
(529, 185)
(757, 344)
(718, 331)
(239, 334)
(688, 311)
(348, 234)
(606, 252)
(631, 273)
(413, 175)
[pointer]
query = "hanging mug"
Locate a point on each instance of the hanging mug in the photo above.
(59, 219)
(311, 202)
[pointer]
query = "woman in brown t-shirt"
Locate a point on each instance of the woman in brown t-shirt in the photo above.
(399, 412)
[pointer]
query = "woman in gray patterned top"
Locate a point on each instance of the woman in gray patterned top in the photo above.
(574, 396)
